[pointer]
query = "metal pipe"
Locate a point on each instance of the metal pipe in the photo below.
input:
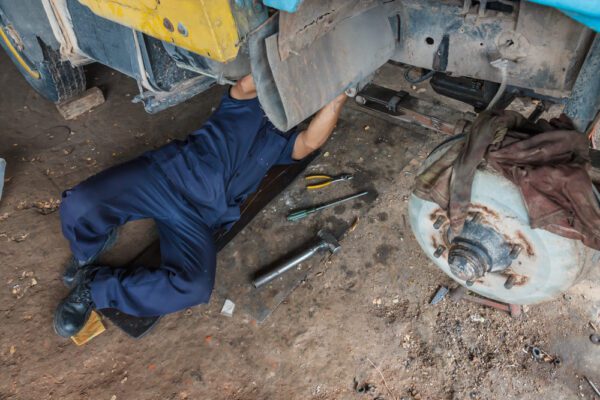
(289, 264)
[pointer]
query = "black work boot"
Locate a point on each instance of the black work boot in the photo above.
(69, 277)
(74, 266)
(73, 312)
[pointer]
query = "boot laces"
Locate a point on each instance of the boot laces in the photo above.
(82, 295)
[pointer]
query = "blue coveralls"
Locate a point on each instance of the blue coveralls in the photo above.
(190, 188)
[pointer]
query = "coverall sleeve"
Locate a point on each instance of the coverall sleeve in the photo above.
(286, 154)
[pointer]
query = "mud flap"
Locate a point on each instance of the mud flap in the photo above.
(291, 90)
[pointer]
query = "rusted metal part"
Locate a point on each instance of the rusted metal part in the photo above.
(439, 251)
(513, 279)
(479, 249)
(510, 282)
(428, 121)
(524, 242)
(523, 31)
(312, 20)
(542, 356)
(547, 264)
(537, 112)
(541, 264)
(331, 64)
(404, 107)
(461, 293)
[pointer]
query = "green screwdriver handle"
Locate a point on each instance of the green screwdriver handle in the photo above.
(300, 214)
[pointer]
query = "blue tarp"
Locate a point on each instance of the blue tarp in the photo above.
(2, 168)
(585, 11)
(283, 5)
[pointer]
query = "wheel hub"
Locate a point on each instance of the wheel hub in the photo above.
(498, 253)
(468, 261)
(478, 249)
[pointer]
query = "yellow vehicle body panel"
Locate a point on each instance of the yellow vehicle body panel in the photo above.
(205, 27)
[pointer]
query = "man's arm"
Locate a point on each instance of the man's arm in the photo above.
(319, 129)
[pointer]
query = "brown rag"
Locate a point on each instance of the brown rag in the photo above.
(548, 161)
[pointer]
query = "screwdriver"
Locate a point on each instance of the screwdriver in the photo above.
(300, 214)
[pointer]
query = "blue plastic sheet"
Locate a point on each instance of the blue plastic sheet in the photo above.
(585, 11)
(283, 5)
(2, 168)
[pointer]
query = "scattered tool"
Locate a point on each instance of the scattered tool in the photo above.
(325, 180)
(593, 386)
(439, 295)
(325, 241)
(542, 356)
(300, 214)
(460, 293)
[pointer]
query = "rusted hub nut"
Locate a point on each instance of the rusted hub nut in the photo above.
(468, 261)
(439, 251)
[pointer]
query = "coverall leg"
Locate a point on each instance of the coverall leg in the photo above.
(135, 190)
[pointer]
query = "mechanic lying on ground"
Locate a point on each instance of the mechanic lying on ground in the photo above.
(191, 189)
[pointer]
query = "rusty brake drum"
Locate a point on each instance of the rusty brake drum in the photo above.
(498, 255)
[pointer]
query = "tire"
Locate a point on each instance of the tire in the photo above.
(55, 80)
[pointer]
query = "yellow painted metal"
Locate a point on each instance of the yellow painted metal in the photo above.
(32, 72)
(205, 27)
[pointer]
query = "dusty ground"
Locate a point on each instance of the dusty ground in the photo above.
(360, 321)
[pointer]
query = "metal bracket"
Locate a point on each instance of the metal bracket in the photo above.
(404, 107)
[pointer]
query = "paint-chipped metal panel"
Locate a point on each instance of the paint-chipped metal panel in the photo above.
(314, 19)
(346, 55)
(28, 21)
(205, 27)
(545, 46)
(104, 41)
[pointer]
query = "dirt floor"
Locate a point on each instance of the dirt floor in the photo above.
(359, 326)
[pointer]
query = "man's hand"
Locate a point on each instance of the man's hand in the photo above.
(243, 89)
(319, 129)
